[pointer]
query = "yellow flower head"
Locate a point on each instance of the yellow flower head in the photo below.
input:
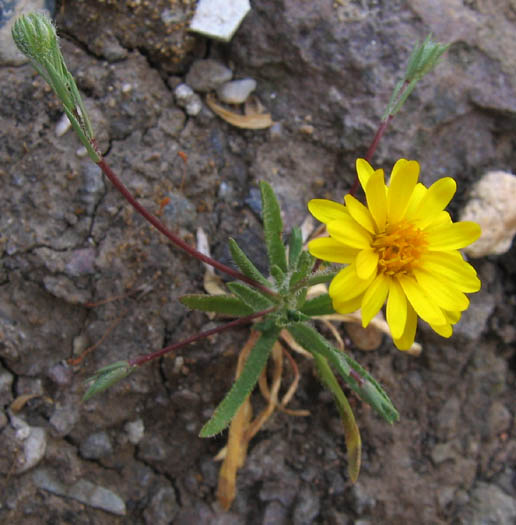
(403, 248)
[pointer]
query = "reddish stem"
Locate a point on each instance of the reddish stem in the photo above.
(372, 148)
(139, 361)
(118, 184)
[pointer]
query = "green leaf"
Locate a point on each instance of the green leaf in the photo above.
(245, 264)
(278, 274)
(372, 392)
(106, 377)
(320, 305)
(295, 246)
(252, 297)
(304, 267)
(273, 227)
(351, 432)
(243, 386)
(322, 276)
(315, 343)
(367, 388)
(221, 304)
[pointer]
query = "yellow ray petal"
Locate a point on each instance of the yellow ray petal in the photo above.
(451, 266)
(325, 210)
(346, 284)
(360, 213)
(347, 307)
(407, 339)
(403, 181)
(452, 317)
(396, 309)
(364, 171)
(330, 250)
(414, 201)
(422, 304)
(452, 236)
(437, 197)
(377, 199)
(444, 330)
(443, 293)
(374, 297)
(366, 263)
(347, 231)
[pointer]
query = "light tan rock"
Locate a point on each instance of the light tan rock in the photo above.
(493, 206)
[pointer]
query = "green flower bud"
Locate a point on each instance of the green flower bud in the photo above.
(35, 36)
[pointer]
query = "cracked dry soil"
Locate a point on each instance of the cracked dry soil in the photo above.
(69, 244)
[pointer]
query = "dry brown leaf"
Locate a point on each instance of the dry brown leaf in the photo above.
(251, 121)
(21, 401)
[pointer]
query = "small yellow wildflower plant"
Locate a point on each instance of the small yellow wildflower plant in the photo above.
(401, 248)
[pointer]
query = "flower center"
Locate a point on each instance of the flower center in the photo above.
(399, 247)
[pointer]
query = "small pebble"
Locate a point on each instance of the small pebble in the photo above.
(162, 508)
(81, 152)
(135, 431)
(63, 126)
(127, 88)
(236, 91)
(187, 99)
(83, 490)
(207, 75)
(96, 446)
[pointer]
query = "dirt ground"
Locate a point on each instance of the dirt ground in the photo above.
(68, 242)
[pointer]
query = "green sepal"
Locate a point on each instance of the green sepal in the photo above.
(250, 296)
(272, 227)
(245, 264)
(295, 246)
(243, 386)
(351, 432)
(320, 305)
(106, 377)
(221, 304)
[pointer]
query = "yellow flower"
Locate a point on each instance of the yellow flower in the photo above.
(402, 248)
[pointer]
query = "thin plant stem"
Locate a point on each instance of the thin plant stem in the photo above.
(177, 241)
(139, 361)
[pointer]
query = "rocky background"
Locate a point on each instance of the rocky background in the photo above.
(79, 268)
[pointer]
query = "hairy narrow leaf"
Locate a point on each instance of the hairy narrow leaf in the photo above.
(243, 386)
(106, 377)
(252, 297)
(322, 276)
(295, 245)
(245, 264)
(278, 274)
(221, 304)
(351, 432)
(315, 343)
(372, 392)
(320, 305)
(367, 389)
(273, 227)
(304, 266)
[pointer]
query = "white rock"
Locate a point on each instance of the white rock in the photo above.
(219, 18)
(492, 205)
(63, 126)
(187, 99)
(236, 91)
(135, 431)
